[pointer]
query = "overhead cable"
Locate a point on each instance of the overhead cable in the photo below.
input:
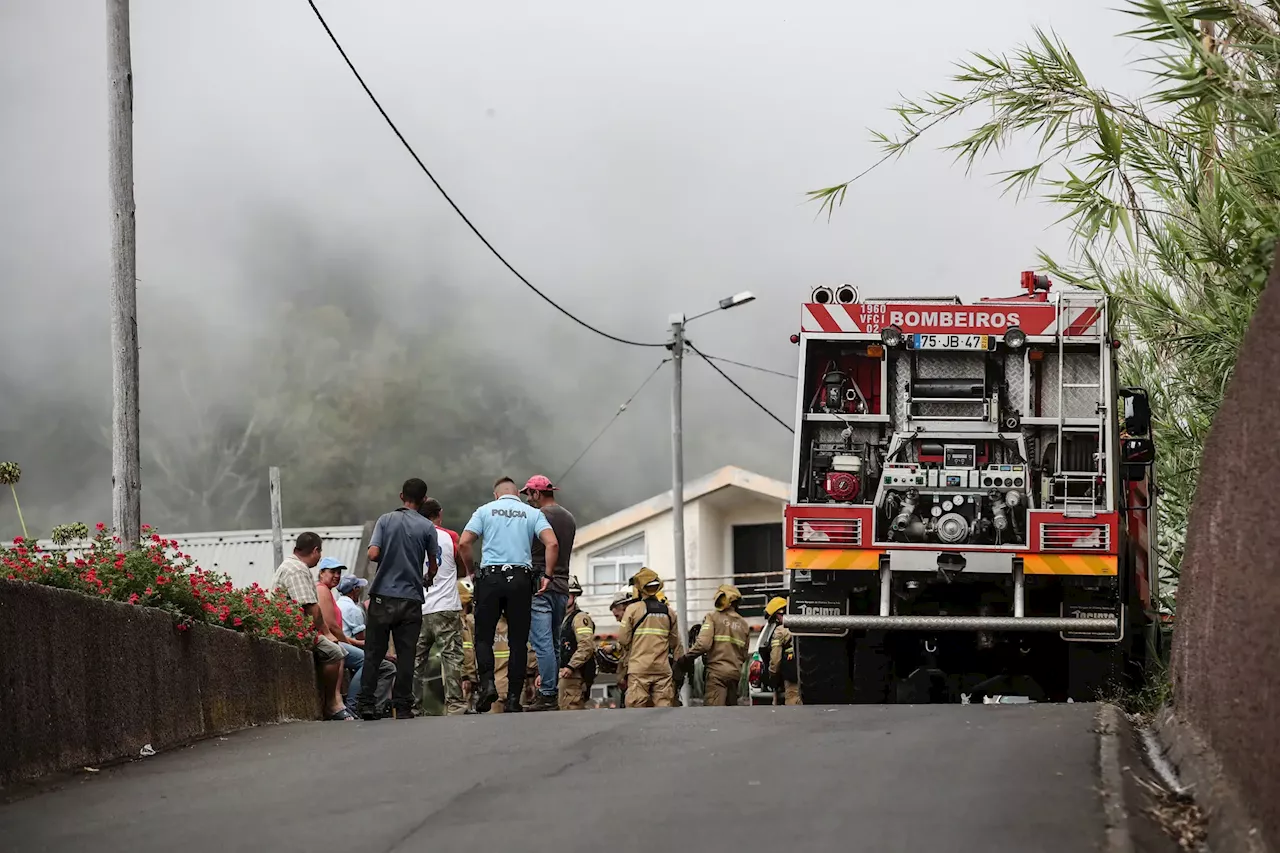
(752, 367)
(741, 390)
(423, 166)
(612, 420)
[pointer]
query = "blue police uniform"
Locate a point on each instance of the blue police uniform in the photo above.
(505, 585)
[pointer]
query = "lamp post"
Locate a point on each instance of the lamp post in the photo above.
(676, 345)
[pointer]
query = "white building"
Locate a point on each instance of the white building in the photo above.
(733, 534)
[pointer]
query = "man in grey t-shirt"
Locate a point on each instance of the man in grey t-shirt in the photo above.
(549, 606)
(403, 542)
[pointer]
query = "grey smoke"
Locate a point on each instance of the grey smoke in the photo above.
(631, 161)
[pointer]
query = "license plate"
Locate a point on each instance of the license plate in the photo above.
(951, 341)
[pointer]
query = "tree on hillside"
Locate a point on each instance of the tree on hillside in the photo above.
(1172, 196)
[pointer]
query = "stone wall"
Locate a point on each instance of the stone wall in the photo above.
(85, 681)
(1226, 655)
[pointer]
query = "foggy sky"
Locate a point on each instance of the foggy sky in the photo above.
(632, 161)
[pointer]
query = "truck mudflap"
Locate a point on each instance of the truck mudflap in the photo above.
(838, 622)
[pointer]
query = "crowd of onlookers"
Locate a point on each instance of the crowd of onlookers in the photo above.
(510, 634)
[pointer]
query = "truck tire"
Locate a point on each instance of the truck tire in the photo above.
(1094, 671)
(872, 669)
(823, 664)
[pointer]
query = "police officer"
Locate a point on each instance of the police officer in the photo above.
(504, 583)
(723, 639)
(577, 653)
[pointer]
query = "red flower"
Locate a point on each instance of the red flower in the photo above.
(237, 622)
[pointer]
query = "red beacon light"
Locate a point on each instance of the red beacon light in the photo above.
(795, 339)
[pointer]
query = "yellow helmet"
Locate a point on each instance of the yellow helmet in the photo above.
(625, 596)
(661, 596)
(774, 606)
(646, 582)
(726, 595)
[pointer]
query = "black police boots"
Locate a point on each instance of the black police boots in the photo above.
(512, 705)
(486, 695)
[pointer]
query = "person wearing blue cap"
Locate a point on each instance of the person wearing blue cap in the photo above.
(350, 589)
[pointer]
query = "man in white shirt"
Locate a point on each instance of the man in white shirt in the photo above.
(442, 619)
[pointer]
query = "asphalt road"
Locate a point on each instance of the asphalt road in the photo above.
(865, 778)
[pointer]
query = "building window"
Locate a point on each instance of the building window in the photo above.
(613, 567)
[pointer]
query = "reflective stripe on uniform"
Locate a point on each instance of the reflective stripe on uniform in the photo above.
(468, 645)
(505, 654)
(584, 631)
(728, 639)
(652, 632)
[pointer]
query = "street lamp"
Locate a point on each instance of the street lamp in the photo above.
(678, 322)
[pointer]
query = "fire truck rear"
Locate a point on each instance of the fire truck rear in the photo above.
(972, 508)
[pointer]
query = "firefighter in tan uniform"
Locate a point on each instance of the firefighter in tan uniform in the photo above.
(723, 639)
(468, 646)
(577, 653)
(781, 654)
(501, 660)
(648, 636)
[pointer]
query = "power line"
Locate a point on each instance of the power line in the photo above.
(741, 390)
(751, 366)
(456, 209)
(615, 417)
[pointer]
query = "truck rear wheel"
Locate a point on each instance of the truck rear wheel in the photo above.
(872, 668)
(823, 664)
(1094, 670)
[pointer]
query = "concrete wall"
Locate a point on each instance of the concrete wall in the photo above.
(85, 681)
(1226, 655)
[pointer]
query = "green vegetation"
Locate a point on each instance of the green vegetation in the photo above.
(1172, 197)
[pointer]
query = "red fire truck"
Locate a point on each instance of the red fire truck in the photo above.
(972, 510)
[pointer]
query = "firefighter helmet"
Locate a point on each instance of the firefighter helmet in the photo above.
(464, 592)
(726, 595)
(624, 597)
(774, 606)
(608, 656)
(575, 588)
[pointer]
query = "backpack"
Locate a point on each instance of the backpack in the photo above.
(569, 646)
(787, 670)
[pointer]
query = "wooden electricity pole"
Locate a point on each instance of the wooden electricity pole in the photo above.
(277, 516)
(126, 476)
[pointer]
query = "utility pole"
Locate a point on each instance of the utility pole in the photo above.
(277, 517)
(676, 345)
(677, 477)
(126, 474)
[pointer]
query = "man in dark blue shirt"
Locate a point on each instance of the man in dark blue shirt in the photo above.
(403, 543)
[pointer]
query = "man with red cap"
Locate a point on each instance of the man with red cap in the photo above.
(550, 604)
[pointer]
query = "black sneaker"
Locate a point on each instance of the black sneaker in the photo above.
(368, 714)
(512, 705)
(486, 696)
(542, 702)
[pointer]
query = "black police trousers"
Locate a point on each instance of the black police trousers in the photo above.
(503, 591)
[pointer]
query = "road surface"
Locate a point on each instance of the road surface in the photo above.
(893, 778)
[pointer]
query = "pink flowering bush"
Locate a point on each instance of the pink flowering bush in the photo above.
(158, 575)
